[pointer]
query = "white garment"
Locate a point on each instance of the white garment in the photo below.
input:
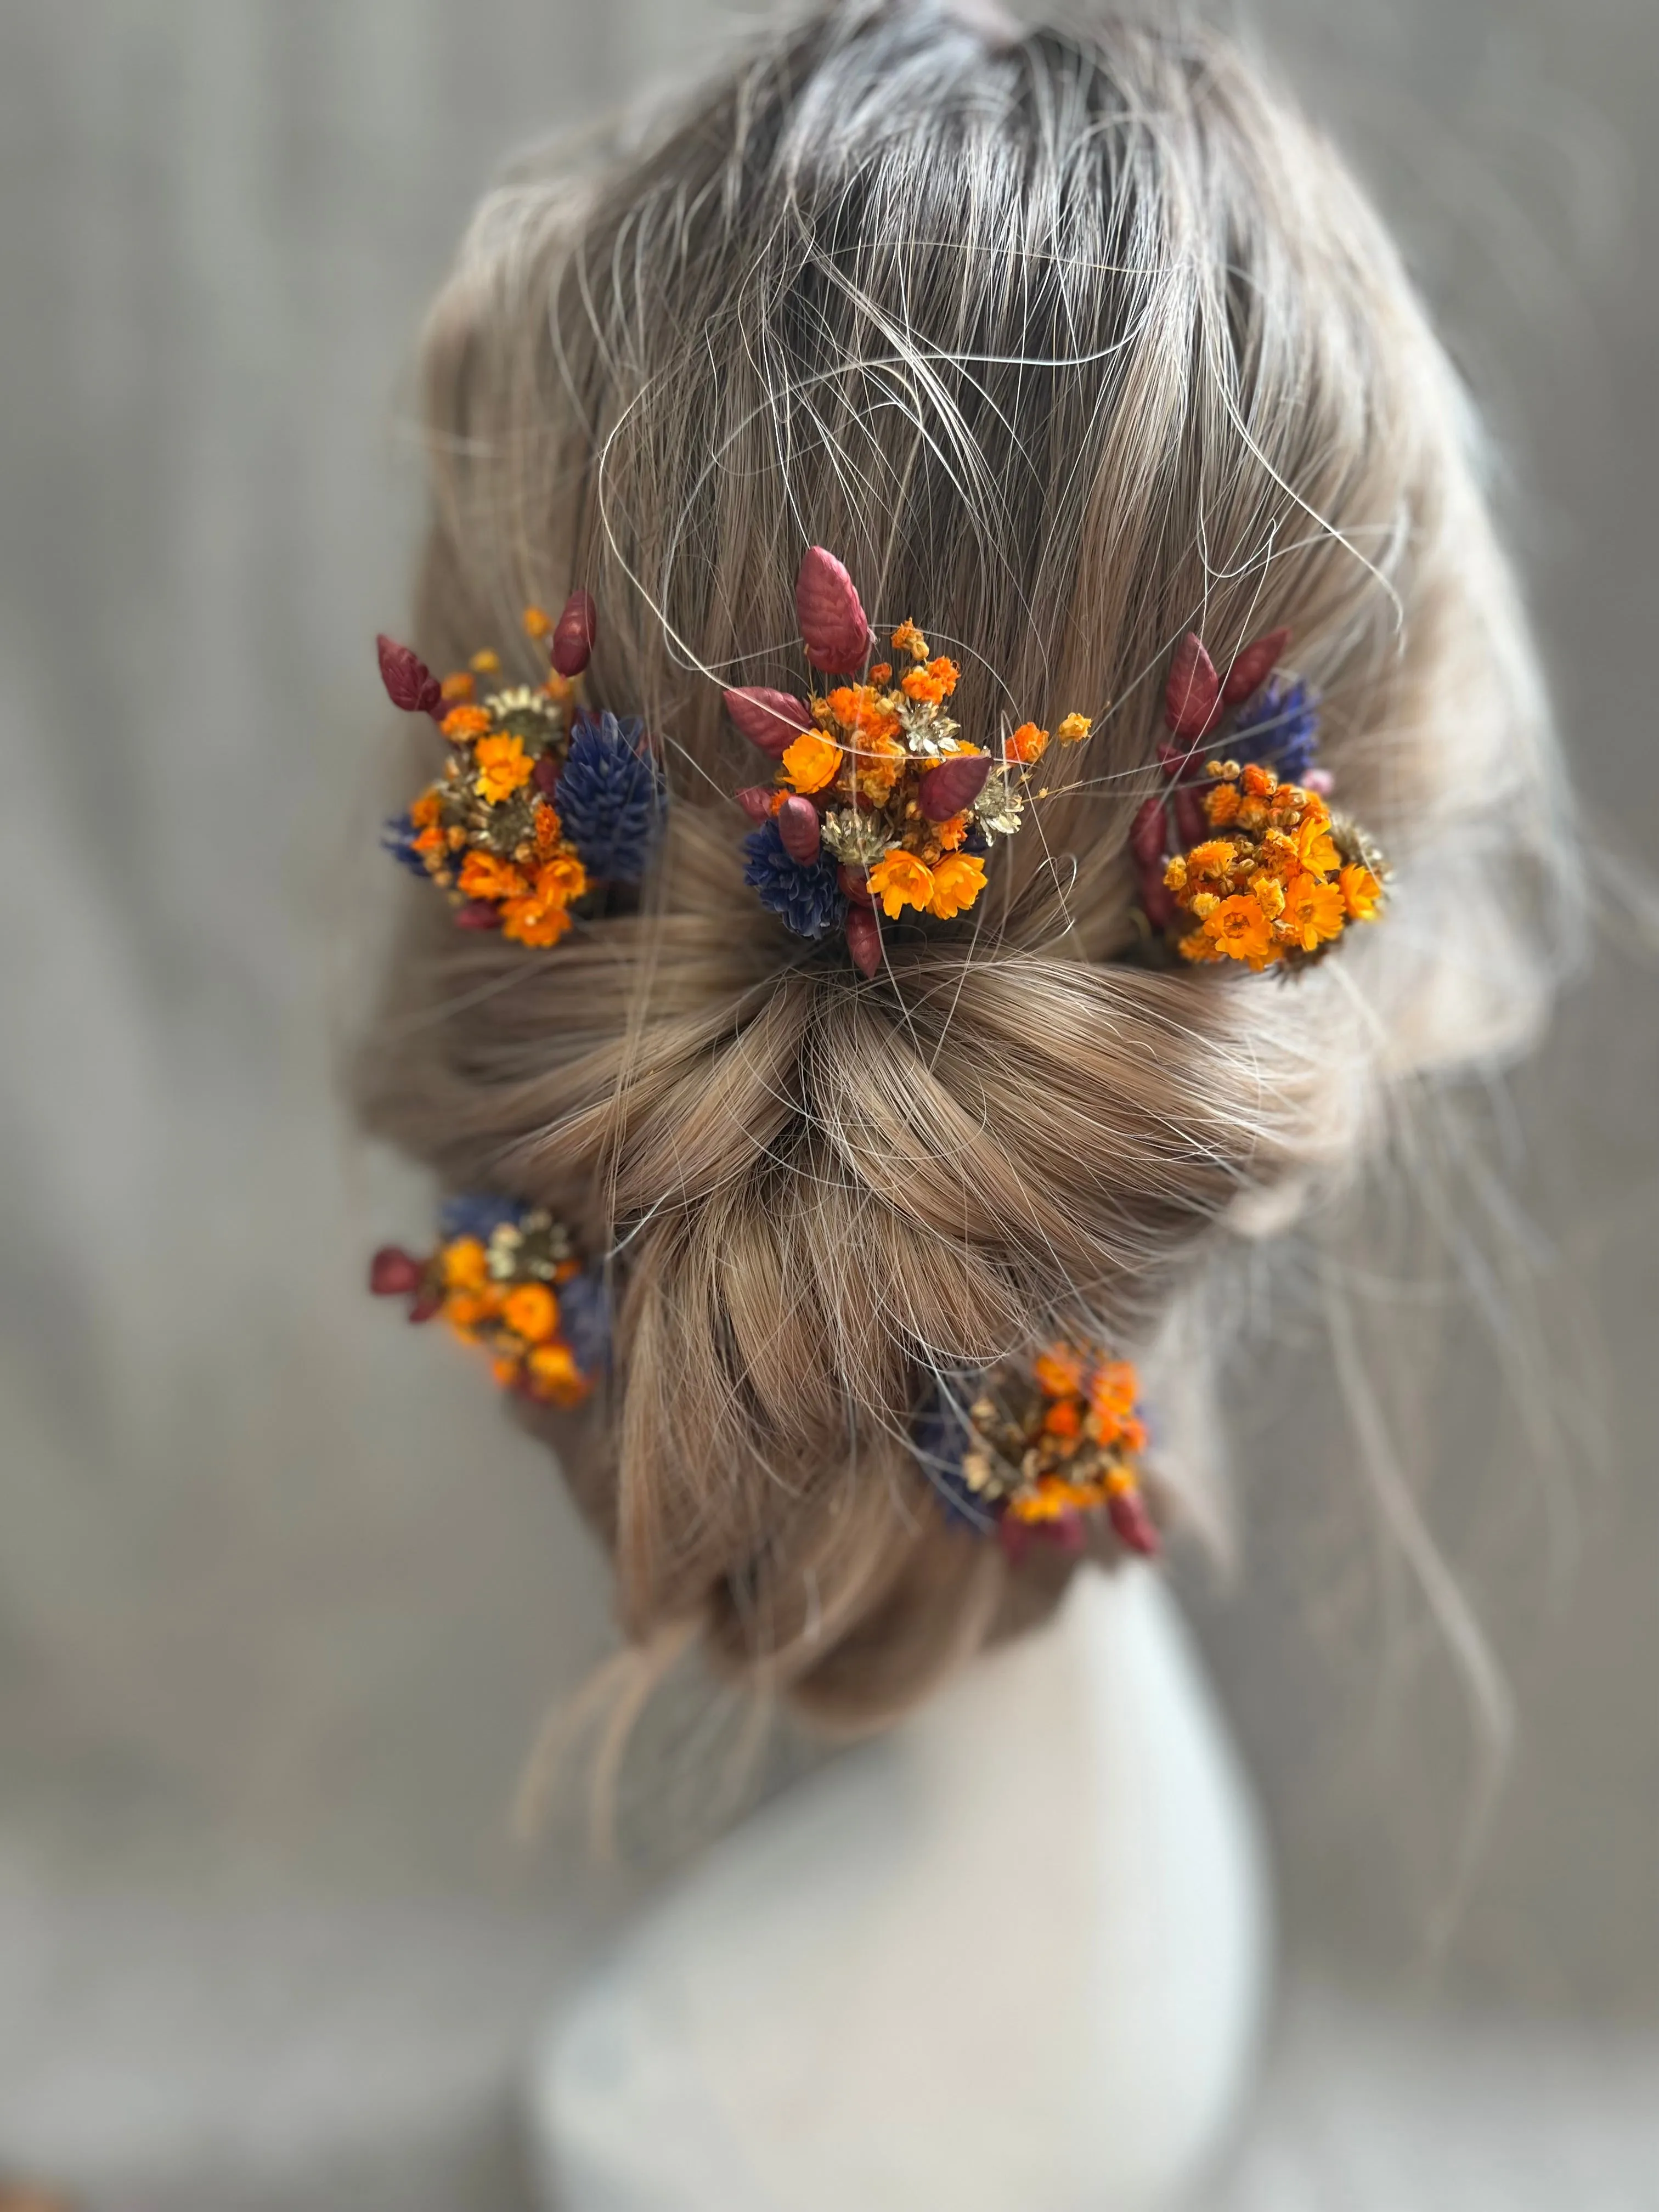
(1011, 1958)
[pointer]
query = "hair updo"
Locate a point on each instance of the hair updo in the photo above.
(1066, 344)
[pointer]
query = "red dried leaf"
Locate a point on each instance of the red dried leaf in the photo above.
(545, 774)
(955, 783)
(1149, 832)
(393, 1273)
(1254, 666)
(771, 719)
(797, 828)
(755, 800)
(1192, 825)
(478, 913)
(1193, 694)
(833, 627)
(409, 684)
(864, 939)
(574, 634)
(853, 883)
(1133, 1524)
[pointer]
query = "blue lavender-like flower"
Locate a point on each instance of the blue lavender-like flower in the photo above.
(397, 838)
(803, 894)
(610, 797)
(584, 1320)
(478, 1213)
(1278, 727)
(941, 1439)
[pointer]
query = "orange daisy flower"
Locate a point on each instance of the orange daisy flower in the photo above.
(484, 876)
(504, 766)
(1314, 912)
(561, 879)
(531, 1311)
(1361, 894)
(899, 879)
(1238, 928)
(462, 723)
(813, 761)
(957, 882)
(1027, 743)
(535, 921)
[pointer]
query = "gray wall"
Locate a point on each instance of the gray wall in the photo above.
(280, 1599)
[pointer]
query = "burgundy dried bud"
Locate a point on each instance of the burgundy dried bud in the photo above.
(864, 939)
(1133, 1524)
(1148, 836)
(851, 882)
(833, 628)
(478, 913)
(574, 634)
(1254, 666)
(1192, 824)
(755, 800)
(546, 775)
(429, 1305)
(797, 828)
(1192, 696)
(409, 684)
(393, 1273)
(771, 719)
(955, 783)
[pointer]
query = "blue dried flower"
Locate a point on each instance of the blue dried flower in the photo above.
(1279, 727)
(804, 895)
(584, 1320)
(397, 838)
(478, 1213)
(940, 1438)
(610, 797)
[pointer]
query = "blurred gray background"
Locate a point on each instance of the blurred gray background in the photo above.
(280, 1607)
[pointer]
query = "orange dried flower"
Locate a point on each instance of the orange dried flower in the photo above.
(466, 1265)
(813, 761)
(1239, 928)
(537, 623)
(1113, 1389)
(1059, 1371)
(1073, 729)
(958, 879)
(550, 830)
(428, 810)
(862, 713)
(1361, 894)
(554, 1376)
(458, 687)
(1314, 912)
(485, 663)
(485, 876)
(952, 833)
(931, 684)
(461, 724)
(560, 879)
(1064, 1417)
(531, 1311)
(882, 672)
(1221, 805)
(1258, 782)
(898, 879)
(909, 641)
(535, 921)
(1027, 743)
(1313, 847)
(504, 766)
(1213, 858)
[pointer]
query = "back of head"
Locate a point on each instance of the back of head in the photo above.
(1067, 343)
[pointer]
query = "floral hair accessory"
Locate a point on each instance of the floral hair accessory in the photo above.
(879, 803)
(1241, 858)
(541, 802)
(507, 1277)
(1030, 1449)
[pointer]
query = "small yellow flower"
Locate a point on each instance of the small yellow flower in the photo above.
(1361, 894)
(531, 1311)
(909, 641)
(957, 882)
(1213, 858)
(462, 723)
(504, 766)
(899, 879)
(1269, 894)
(537, 623)
(1221, 805)
(459, 687)
(485, 663)
(1073, 729)
(812, 762)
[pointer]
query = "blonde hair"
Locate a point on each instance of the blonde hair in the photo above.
(1066, 343)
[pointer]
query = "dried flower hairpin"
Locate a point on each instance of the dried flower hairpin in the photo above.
(541, 803)
(1030, 1448)
(1240, 857)
(508, 1277)
(879, 801)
